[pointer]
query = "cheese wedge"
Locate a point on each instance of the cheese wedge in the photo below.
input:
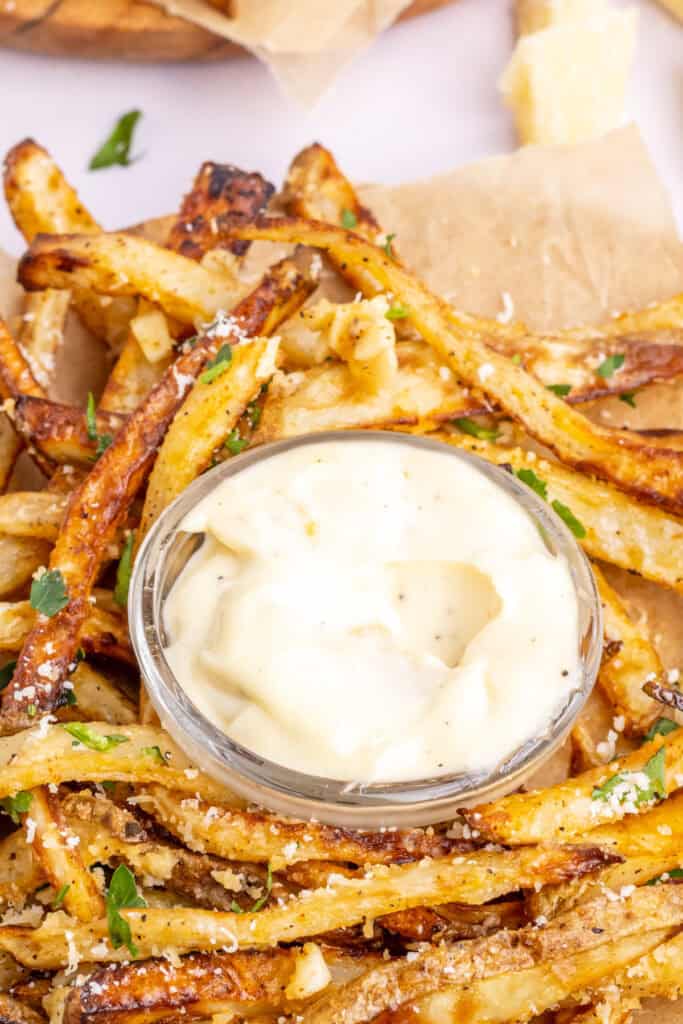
(567, 83)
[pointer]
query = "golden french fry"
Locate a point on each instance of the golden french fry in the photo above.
(42, 332)
(103, 632)
(19, 559)
(32, 514)
(61, 431)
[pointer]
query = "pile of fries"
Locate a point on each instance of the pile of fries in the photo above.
(134, 887)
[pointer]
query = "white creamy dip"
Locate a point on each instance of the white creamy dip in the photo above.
(374, 612)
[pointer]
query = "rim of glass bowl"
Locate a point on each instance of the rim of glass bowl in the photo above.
(282, 789)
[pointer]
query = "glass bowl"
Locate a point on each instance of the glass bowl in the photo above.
(165, 552)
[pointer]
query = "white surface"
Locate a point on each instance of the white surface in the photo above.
(422, 100)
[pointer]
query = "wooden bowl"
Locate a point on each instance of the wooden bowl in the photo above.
(121, 29)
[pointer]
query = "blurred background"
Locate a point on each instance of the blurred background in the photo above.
(421, 100)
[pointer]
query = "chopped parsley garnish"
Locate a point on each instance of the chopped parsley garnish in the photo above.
(629, 397)
(261, 901)
(6, 673)
(662, 727)
(155, 753)
(70, 698)
(48, 593)
(609, 366)
(31, 710)
(123, 571)
(218, 365)
(388, 246)
(108, 786)
(235, 443)
(568, 517)
(16, 805)
(349, 219)
(675, 873)
(116, 150)
(102, 440)
(517, 359)
(253, 412)
(122, 893)
(528, 477)
(86, 735)
(627, 787)
(469, 426)
(59, 898)
(397, 311)
(561, 390)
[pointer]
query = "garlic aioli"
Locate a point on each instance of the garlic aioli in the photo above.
(372, 612)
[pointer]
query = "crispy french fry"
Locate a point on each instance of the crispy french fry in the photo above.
(423, 393)
(131, 379)
(42, 332)
(15, 374)
(476, 878)
(258, 836)
(15, 1012)
(32, 514)
(656, 832)
(38, 756)
(10, 446)
(622, 676)
(574, 807)
(103, 633)
(61, 431)
(118, 264)
(654, 475)
(41, 201)
(98, 698)
(56, 848)
(111, 487)
(511, 975)
(19, 559)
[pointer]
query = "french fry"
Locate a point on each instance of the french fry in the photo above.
(103, 633)
(19, 559)
(10, 446)
(56, 848)
(98, 698)
(110, 488)
(478, 878)
(15, 374)
(622, 676)
(42, 755)
(15, 1012)
(118, 264)
(257, 836)
(61, 431)
(511, 975)
(42, 332)
(575, 807)
(32, 514)
(215, 983)
(41, 201)
(131, 379)
(654, 475)
(655, 833)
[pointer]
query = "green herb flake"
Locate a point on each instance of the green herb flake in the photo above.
(517, 359)
(349, 220)
(260, 902)
(116, 149)
(561, 390)
(70, 698)
(48, 593)
(253, 413)
(6, 673)
(662, 727)
(155, 753)
(397, 311)
(122, 893)
(674, 874)
(16, 805)
(627, 787)
(102, 440)
(570, 520)
(629, 398)
(218, 365)
(469, 426)
(528, 477)
(86, 735)
(31, 710)
(123, 571)
(235, 443)
(388, 248)
(609, 366)
(59, 898)
(108, 786)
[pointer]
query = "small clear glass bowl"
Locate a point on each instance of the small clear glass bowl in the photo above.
(166, 551)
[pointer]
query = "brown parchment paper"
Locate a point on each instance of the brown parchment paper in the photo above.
(305, 44)
(572, 234)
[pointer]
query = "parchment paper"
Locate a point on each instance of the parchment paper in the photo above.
(305, 44)
(572, 234)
